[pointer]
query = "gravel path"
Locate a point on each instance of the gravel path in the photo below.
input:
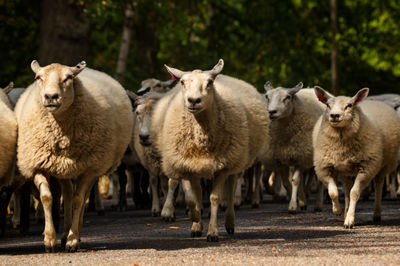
(264, 236)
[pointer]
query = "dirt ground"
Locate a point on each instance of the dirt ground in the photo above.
(264, 236)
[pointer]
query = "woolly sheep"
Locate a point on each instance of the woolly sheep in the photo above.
(210, 126)
(293, 113)
(155, 85)
(355, 139)
(73, 123)
(8, 142)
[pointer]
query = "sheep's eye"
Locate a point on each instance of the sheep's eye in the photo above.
(137, 113)
(286, 98)
(158, 85)
(67, 78)
(266, 97)
(182, 83)
(348, 106)
(327, 105)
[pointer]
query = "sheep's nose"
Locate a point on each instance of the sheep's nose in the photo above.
(194, 101)
(144, 137)
(272, 112)
(51, 97)
(334, 116)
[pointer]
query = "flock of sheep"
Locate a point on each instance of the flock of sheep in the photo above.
(75, 124)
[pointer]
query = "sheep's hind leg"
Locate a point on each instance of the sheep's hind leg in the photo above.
(46, 198)
(168, 210)
(155, 205)
(296, 179)
(230, 211)
(192, 190)
(216, 192)
(67, 192)
(378, 197)
(83, 186)
(255, 200)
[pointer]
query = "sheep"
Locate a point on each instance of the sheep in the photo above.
(212, 126)
(354, 138)
(293, 113)
(73, 123)
(8, 144)
(155, 85)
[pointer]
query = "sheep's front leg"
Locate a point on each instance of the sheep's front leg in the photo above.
(393, 193)
(334, 195)
(378, 197)
(359, 184)
(155, 205)
(192, 190)
(168, 210)
(347, 185)
(238, 193)
(46, 198)
(67, 192)
(255, 200)
(296, 179)
(320, 197)
(83, 186)
(230, 210)
(216, 193)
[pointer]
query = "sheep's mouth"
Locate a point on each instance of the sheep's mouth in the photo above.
(193, 109)
(273, 117)
(51, 107)
(146, 143)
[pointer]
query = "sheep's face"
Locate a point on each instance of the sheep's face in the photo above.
(55, 83)
(143, 112)
(280, 100)
(197, 86)
(155, 85)
(340, 110)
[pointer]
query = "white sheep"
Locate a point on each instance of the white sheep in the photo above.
(72, 124)
(293, 113)
(155, 85)
(355, 139)
(210, 126)
(8, 144)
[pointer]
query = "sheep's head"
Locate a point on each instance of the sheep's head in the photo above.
(55, 83)
(340, 110)
(197, 86)
(143, 108)
(280, 100)
(156, 85)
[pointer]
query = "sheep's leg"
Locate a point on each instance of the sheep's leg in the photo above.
(334, 195)
(216, 192)
(347, 184)
(16, 218)
(378, 197)
(398, 180)
(255, 199)
(123, 204)
(249, 176)
(46, 198)
(155, 205)
(284, 174)
(98, 202)
(168, 210)
(82, 190)
(67, 192)
(393, 194)
(192, 190)
(230, 210)
(238, 193)
(296, 179)
(359, 184)
(114, 198)
(320, 197)
(301, 193)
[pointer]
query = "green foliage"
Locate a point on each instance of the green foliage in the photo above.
(281, 41)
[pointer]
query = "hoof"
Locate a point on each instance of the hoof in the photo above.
(195, 234)
(101, 213)
(377, 219)
(317, 209)
(303, 208)
(230, 231)
(155, 214)
(71, 248)
(348, 226)
(211, 238)
(63, 242)
(49, 249)
(255, 205)
(168, 219)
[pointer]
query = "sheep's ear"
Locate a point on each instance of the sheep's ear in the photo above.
(322, 95)
(295, 89)
(396, 105)
(78, 68)
(176, 74)
(217, 68)
(267, 86)
(167, 83)
(9, 87)
(35, 66)
(134, 99)
(360, 96)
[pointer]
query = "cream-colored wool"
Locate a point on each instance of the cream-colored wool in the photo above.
(221, 137)
(8, 140)
(364, 147)
(83, 139)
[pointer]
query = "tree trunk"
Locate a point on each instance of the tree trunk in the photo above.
(64, 32)
(125, 43)
(334, 56)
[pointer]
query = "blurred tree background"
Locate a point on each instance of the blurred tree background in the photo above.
(281, 41)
